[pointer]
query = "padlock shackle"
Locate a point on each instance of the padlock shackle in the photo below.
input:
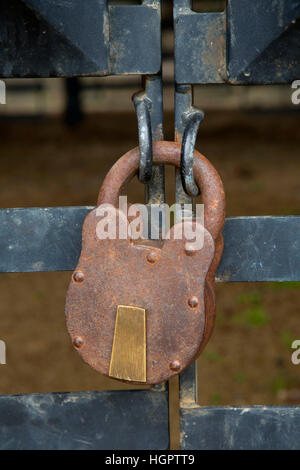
(168, 153)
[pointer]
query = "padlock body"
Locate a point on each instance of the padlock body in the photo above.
(165, 282)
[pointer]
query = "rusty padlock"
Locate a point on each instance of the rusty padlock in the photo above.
(142, 313)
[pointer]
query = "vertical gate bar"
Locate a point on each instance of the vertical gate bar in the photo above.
(188, 385)
(183, 102)
(153, 84)
(181, 4)
(155, 189)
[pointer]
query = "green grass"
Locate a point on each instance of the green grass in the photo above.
(253, 316)
(278, 383)
(284, 285)
(253, 297)
(286, 338)
(212, 356)
(39, 295)
(215, 399)
(240, 378)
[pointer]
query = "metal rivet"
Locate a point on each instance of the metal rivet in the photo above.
(193, 301)
(78, 342)
(189, 249)
(175, 365)
(78, 276)
(152, 257)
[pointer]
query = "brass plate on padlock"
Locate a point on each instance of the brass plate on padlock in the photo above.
(128, 357)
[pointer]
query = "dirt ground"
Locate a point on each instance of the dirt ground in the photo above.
(43, 163)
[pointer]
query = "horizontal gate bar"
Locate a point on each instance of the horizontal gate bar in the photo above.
(238, 428)
(78, 38)
(86, 420)
(261, 249)
(49, 239)
(247, 43)
(251, 428)
(263, 41)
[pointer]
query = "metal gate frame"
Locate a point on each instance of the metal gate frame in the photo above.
(209, 48)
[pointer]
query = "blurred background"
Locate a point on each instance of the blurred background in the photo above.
(59, 137)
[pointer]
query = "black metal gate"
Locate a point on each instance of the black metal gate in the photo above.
(247, 43)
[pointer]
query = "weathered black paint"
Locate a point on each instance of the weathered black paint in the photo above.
(51, 38)
(200, 45)
(87, 420)
(49, 239)
(261, 249)
(238, 428)
(242, 428)
(263, 41)
(249, 43)
(135, 38)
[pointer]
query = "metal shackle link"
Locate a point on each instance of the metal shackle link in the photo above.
(192, 120)
(168, 153)
(142, 106)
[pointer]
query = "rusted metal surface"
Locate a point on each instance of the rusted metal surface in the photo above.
(175, 288)
(168, 153)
